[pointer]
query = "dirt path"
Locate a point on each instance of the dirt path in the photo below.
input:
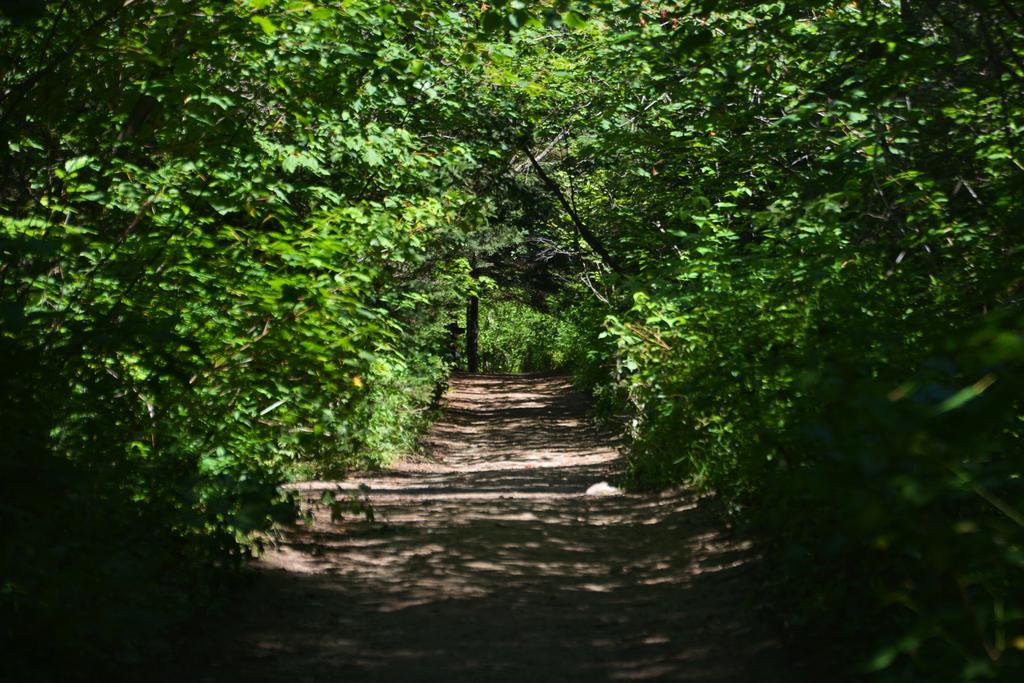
(493, 564)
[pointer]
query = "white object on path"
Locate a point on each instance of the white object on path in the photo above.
(603, 488)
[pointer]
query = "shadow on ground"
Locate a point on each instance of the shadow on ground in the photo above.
(492, 563)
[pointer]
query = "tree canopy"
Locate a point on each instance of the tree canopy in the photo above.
(782, 239)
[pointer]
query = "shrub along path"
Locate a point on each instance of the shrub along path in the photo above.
(489, 561)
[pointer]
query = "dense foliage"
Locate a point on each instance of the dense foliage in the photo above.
(516, 337)
(817, 208)
(783, 238)
(224, 255)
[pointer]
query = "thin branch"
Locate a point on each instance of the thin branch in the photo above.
(590, 238)
(521, 167)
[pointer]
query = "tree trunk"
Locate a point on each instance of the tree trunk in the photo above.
(472, 333)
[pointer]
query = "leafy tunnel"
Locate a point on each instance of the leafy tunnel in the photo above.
(777, 242)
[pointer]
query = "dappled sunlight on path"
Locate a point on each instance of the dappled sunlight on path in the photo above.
(490, 562)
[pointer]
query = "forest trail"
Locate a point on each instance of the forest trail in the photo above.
(488, 561)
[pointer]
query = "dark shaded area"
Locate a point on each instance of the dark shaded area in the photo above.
(554, 598)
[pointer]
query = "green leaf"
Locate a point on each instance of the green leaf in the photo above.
(574, 20)
(966, 394)
(76, 164)
(268, 26)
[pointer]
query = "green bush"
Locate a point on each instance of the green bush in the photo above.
(515, 337)
(225, 263)
(820, 322)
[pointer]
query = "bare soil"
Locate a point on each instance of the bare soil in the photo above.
(487, 561)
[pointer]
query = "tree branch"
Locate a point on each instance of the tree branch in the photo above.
(590, 238)
(520, 167)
